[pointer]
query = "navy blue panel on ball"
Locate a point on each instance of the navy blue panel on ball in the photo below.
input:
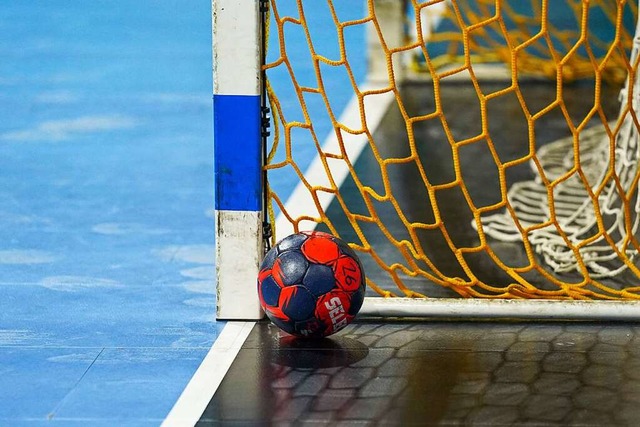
(293, 265)
(270, 291)
(346, 249)
(301, 304)
(269, 259)
(285, 326)
(293, 241)
(357, 299)
(319, 279)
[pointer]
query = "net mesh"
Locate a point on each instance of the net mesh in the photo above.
(567, 39)
(467, 192)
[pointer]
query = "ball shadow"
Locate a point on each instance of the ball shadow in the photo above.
(314, 354)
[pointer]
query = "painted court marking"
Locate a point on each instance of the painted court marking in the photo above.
(204, 383)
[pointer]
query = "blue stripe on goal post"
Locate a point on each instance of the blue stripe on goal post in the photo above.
(237, 88)
(237, 152)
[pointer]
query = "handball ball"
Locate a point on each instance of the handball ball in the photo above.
(311, 284)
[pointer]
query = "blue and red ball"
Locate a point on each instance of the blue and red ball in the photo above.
(311, 284)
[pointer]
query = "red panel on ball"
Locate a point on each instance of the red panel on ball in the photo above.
(347, 273)
(320, 249)
(332, 309)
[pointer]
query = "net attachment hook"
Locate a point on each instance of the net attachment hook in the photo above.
(265, 126)
(265, 121)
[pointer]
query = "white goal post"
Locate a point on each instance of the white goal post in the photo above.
(238, 88)
(237, 61)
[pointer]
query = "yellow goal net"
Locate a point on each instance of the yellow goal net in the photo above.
(464, 148)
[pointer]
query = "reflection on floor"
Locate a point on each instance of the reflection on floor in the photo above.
(437, 373)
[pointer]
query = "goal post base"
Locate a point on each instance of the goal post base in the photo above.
(518, 309)
(238, 234)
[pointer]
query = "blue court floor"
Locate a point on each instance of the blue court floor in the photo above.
(106, 226)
